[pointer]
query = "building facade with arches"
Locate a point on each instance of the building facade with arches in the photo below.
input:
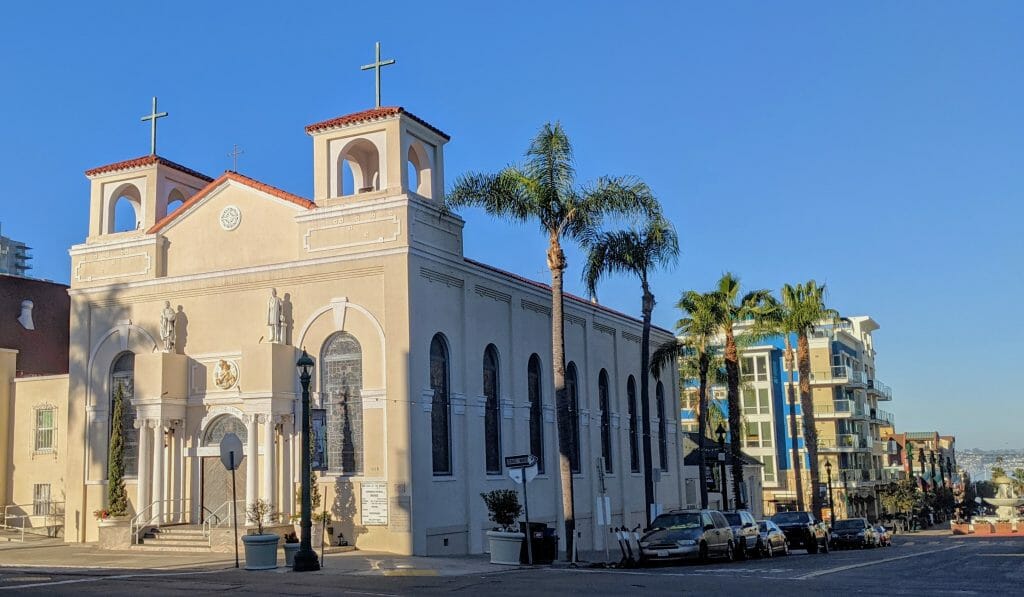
(430, 367)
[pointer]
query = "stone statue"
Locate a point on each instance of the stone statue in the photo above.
(167, 317)
(25, 319)
(275, 318)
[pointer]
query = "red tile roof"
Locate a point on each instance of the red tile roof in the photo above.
(566, 295)
(147, 160)
(367, 115)
(239, 178)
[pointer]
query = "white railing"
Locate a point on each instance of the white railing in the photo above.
(16, 518)
(221, 516)
(152, 516)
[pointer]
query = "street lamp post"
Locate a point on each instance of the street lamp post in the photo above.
(720, 432)
(932, 461)
(846, 497)
(910, 462)
(831, 504)
(920, 460)
(305, 558)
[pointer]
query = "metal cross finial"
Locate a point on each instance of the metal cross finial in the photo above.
(152, 117)
(376, 65)
(235, 152)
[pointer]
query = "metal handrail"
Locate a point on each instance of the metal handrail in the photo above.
(140, 521)
(51, 519)
(218, 517)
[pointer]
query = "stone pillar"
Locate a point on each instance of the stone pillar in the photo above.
(158, 471)
(176, 484)
(269, 460)
(144, 479)
(287, 486)
(251, 459)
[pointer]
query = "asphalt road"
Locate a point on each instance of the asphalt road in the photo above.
(913, 566)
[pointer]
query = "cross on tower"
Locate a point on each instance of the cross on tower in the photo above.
(376, 65)
(235, 152)
(152, 117)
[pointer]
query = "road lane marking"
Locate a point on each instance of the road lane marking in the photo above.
(873, 562)
(1002, 555)
(102, 578)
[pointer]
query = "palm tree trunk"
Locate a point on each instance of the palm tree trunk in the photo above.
(732, 374)
(704, 363)
(793, 432)
(645, 403)
(556, 262)
(803, 358)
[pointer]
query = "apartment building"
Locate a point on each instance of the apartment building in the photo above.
(849, 421)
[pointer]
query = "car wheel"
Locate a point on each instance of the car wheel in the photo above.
(730, 552)
(702, 553)
(741, 551)
(785, 548)
(769, 553)
(824, 548)
(812, 545)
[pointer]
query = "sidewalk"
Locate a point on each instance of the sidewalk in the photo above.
(55, 554)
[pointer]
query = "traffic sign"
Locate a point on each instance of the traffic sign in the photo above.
(516, 474)
(520, 461)
(230, 451)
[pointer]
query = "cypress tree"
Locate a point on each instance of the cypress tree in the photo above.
(117, 497)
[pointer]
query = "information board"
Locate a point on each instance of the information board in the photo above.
(373, 505)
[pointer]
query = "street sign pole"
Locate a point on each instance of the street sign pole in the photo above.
(234, 504)
(529, 537)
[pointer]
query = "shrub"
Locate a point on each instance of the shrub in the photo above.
(503, 507)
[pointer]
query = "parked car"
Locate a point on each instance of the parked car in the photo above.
(688, 534)
(772, 539)
(744, 533)
(854, 532)
(884, 536)
(803, 531)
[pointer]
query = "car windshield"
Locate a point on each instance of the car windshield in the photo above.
(849, 525)
(763, 526)
(677, 521)
(733, 518)
(784, 517)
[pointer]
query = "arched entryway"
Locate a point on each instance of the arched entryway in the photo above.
(215, 497)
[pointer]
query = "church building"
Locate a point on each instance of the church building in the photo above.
(430, 367)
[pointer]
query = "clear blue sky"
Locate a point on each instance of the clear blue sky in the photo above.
(878, 147)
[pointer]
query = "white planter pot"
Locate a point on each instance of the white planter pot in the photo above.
(260, 552)
(505, 547)
(289, 553)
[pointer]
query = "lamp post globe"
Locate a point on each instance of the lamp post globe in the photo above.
(720, 432)
(305, 559)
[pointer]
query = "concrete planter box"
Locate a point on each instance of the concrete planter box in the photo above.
(260, 551)
(505, 547)
(115, 533)
(961, 528)
(982, 528)
(1004, 528)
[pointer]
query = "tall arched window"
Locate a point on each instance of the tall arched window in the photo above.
(440, 424)
(122, 375)
(572, 393)
(634, 456)
(536, 420)
(341, 384)
(659, 394)
(606, 421)
(492, 411)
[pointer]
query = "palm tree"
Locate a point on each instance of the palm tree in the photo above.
(698, 332)
(802, 308)
(635, 252)
(752, 306)
(543, 190)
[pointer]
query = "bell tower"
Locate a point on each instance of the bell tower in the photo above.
(377, 153)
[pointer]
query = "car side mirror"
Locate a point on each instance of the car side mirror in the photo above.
(709, 527)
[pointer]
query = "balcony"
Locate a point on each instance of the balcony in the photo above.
(844, 442)
(881, 416)
(839, 409)
(879, 389)
(837, 375)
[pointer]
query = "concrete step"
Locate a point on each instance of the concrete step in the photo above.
(175, 539)
(176, 532)
(203, 548)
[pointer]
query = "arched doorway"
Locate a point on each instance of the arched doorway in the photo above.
(215, 497)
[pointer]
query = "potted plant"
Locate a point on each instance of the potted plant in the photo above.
(504, 540)
(291, 545)
(260, 547)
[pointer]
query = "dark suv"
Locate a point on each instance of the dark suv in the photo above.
(803, 531)
(744, 533)
(854, 532)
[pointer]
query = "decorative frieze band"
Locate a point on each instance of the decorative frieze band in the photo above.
(535, 307)
(442, 278)
(604, 329)
(494, 294)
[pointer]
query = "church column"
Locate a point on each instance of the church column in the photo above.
(287, 487)
(143, 478)
(269, 460)
(158, 471)
(177, 485)
(251, 469)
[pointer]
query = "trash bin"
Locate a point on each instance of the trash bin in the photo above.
(544, 541)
